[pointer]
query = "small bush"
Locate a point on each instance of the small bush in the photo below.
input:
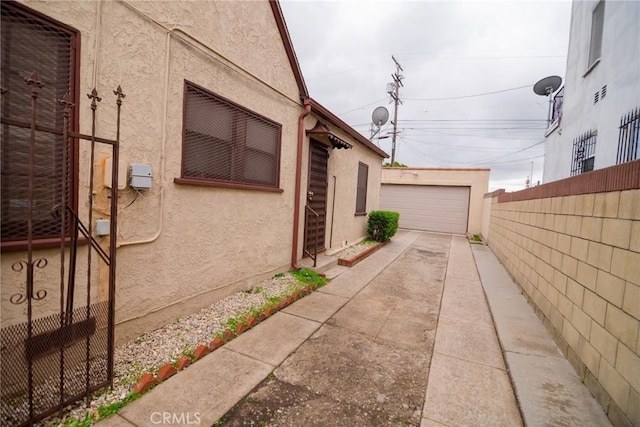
(382, 225)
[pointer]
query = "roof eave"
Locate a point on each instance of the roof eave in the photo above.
(336, 121)
(288, 46)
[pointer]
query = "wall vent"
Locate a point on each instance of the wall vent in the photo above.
(603, 92)
(596, 97)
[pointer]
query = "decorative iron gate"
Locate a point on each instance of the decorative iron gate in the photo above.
(62, 349)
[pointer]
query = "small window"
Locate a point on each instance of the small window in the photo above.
(33, 42)
(597, 23)
(361, 195)
(227, 144)
(584, 149)
(629, 137)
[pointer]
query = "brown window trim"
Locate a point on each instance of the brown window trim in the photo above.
(360, 214)
(50, 242)
(360, 164)
(222, 184)
(40, 244)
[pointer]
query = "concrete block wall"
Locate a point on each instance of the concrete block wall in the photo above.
(575, 253)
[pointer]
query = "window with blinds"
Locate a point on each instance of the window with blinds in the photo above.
(597, 25)
(361, 195)
(227, 144)
(32, 42)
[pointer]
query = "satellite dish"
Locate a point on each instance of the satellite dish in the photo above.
(547, 86)
(380, 116)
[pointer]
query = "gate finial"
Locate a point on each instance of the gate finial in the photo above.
(34, 81)
(120, 94)
(93, 96)
(66, 102)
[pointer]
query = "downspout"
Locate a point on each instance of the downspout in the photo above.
(296, 203)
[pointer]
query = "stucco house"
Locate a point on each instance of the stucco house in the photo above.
(596, 115)
(223, 163)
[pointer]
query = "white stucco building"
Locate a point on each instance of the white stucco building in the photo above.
(596, 120)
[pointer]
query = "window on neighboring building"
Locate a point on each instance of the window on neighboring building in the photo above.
(597, 23)
(557, 105)
(361, 195)
(32, 42)
(584, 150)
(227, 144)
(629, 137)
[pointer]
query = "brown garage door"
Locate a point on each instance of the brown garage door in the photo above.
(426, 207)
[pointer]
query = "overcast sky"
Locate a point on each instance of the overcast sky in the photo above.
(448, 49)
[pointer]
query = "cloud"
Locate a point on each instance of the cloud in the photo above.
(447, 49)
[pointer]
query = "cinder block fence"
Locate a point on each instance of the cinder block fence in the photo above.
(573, 246)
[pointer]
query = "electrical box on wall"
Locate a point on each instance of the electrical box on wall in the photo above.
(102, 227)
(122, 173)
(140, 176)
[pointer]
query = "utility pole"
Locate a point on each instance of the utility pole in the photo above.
(395, 94)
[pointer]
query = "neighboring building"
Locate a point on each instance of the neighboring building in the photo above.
(220, 136)
(445, 200)
(596, 120)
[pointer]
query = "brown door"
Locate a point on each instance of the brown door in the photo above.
(316, 197)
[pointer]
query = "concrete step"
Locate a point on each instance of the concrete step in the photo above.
(324, 263)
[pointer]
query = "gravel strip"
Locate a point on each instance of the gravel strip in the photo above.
(149, 352)
(357, 249)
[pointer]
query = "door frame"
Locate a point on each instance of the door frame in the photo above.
(309, 227)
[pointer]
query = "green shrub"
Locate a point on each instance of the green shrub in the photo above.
(382, 225)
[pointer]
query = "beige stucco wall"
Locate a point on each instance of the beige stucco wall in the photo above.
(477, 179)
(577, 259)
(343, 164)
(201, 243)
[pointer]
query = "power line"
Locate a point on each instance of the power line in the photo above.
(366, 105)
(469, 96)
(474, 120)
(508, 154)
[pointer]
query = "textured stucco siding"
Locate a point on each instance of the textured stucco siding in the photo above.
(477, 179)
(202, 242)
(343, 164)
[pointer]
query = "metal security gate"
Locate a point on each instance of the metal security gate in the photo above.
(57, 347)
(316, 207)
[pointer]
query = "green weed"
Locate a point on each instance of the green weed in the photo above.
(309, 277)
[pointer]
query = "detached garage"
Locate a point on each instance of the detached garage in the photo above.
(435, 199)
(427, 207)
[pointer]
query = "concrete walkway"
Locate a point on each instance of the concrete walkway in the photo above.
(404, 337)
(468, 382)
(548, 388)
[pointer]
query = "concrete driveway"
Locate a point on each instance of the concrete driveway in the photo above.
(405, 337)
(369, 363)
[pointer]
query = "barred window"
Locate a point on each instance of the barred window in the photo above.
(32, 42)
(629, 137)
(226, 144)
(584, 150)
(361, 195)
